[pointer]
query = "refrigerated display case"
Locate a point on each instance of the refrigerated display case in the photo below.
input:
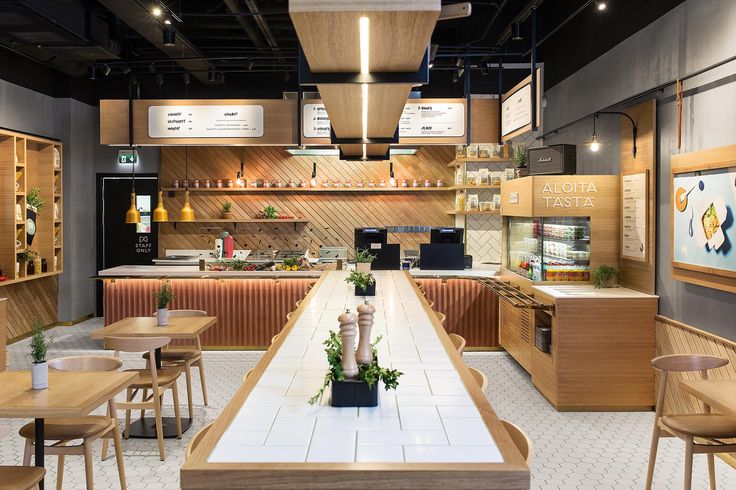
(549, 248)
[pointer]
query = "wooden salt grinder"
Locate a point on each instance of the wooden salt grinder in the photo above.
(365, 324)
(348, 331)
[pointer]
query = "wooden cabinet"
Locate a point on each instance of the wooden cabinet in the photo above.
(516, 332)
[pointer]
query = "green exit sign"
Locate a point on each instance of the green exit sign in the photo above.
(128, 156)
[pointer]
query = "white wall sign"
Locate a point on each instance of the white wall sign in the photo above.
(516, 110)
(418, 120)
(205, 121)
(634, 216)
(316, 122)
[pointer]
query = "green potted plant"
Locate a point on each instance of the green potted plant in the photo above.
(606, 276)
(163, 298)
(363, 260)
(269, 212)
(365, 284)
(34, 203)
(361, 391)
(520, 156)
(26, 257)
(227, 210)
(39, 367)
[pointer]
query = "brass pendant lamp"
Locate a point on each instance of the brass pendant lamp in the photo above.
(132, 216)
(187, 213)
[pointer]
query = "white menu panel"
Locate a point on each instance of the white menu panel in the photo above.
(316, 122)
(634, 216)
(205, 121)
(516, 110)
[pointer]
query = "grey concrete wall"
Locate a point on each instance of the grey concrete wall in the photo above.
(692, 36)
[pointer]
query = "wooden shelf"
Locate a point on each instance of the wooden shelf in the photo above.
(466, 213)
(29, 278)
(252, 220)
(460, 161)
(247, 190)
(20, 194)
(487, 186)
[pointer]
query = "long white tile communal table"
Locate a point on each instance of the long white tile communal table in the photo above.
(437, 429)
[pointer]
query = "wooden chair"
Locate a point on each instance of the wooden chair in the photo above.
(299, 302)
(708, 428)
(480, 378)
(441, 317)
(248, 373)
(431, 303)
(289, 315)
(196, 440)
(20, 477)
(185, 357)
(87, 429)
(458, 342)
(521, 440)
(275, 337)
(156, 380)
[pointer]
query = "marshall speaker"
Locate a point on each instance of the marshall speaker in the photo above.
(552, 160)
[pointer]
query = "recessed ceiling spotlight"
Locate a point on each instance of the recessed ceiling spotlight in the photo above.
(156, 12)
(601, 6)
(167, 22)
(431, 65)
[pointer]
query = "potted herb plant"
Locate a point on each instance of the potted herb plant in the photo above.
(606, 276)
(163, 298)
(363, 260)
(40, 368)
(269, 212)
(25, 261)
(365, 284)
(227, 210)
(361, 391)
(34, 203)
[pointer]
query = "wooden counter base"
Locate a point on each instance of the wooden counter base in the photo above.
(249, 311)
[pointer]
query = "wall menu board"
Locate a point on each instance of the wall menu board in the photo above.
(516, 110)
(634, 200)
(418, 119)
(205, 121)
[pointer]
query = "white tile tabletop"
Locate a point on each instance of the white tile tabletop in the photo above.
(430, 418)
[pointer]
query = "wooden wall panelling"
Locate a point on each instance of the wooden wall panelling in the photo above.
(3, 333)
(636, 274)
(29, 302)
(332, 216)
(673, 337)
(471, 310)
(7, 205)
(249, 311)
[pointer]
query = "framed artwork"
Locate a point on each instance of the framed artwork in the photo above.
(703, 211)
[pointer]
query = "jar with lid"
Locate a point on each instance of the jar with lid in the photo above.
(230, 183)
(404, 183)
(302, 183)
(266, 183)
(359, 183)
(175, 183)
(440, 183)
(186, 184)
(415, 183)
(382, 183)
(218, 183)
(207, 183)
(195, 183)
(427, 183)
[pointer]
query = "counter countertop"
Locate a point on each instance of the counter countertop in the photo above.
(588, 291)
(192, 271)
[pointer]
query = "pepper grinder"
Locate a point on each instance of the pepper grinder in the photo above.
(348, 330)
(365, 325)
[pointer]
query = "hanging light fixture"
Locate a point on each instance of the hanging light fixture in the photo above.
(313, 182)
(132, 216)
(186, 213)
(594, 144)
(160, 215)
(392, 180)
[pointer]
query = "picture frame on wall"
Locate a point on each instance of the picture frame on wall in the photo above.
(703, 213)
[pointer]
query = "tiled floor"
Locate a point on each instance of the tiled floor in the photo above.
(573, 450)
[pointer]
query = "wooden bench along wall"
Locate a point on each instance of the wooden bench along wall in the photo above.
(673, 337)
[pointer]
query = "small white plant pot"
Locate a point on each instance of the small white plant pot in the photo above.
(40, 376)
(162, 314)
(363, 267)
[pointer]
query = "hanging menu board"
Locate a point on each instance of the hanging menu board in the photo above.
(516, 110)
(634, 216)
(205, 121)
(419, 119)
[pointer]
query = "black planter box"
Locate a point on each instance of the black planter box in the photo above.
(371, 291)
(351, 393)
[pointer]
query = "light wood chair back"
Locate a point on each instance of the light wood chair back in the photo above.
(458, 342)
(184, 313)
(298, 303)
(248, 373)
(521, 440)
(21, 477)
(86, 363)
(441, 317)
(275, 338)
(479, 377)
(289, 315)
(196, 440)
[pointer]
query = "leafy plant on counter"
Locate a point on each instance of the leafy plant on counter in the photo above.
(360, 280)
(270, 212)
(26, 255)
(606, 276)
(164, 295)
(39, 344)
(227, 206)
(371, 373)
(34, 199)
(520, 156)
(362, 256)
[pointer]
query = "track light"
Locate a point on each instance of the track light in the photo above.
(313, 183)
(250, 64)
(431, 65)
(156, 12)
(159, 79)
(167, 22)
(601, 6)
(106, 70)
(392, 180)
(213, 76)
(516, 32)
(169, 35)
(185, 78)
(93, 72)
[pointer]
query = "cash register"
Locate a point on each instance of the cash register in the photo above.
(446, 250)
(375, 241)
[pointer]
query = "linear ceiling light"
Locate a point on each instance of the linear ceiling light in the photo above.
(305, 152)
(364, 44)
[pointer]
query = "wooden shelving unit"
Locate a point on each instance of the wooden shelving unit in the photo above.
(234, 220)
(470, 213)
(27, 162)
(459, 161)
(249, 190)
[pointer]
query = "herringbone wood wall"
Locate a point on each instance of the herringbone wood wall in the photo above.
(332, 215)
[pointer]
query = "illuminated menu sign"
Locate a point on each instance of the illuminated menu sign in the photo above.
(516, 110)
(316, 121)
(205, 121)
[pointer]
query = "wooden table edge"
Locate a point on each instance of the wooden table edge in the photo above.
(687, 387)
(97, 335)
(196, 471)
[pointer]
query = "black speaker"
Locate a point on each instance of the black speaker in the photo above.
(552, 160)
